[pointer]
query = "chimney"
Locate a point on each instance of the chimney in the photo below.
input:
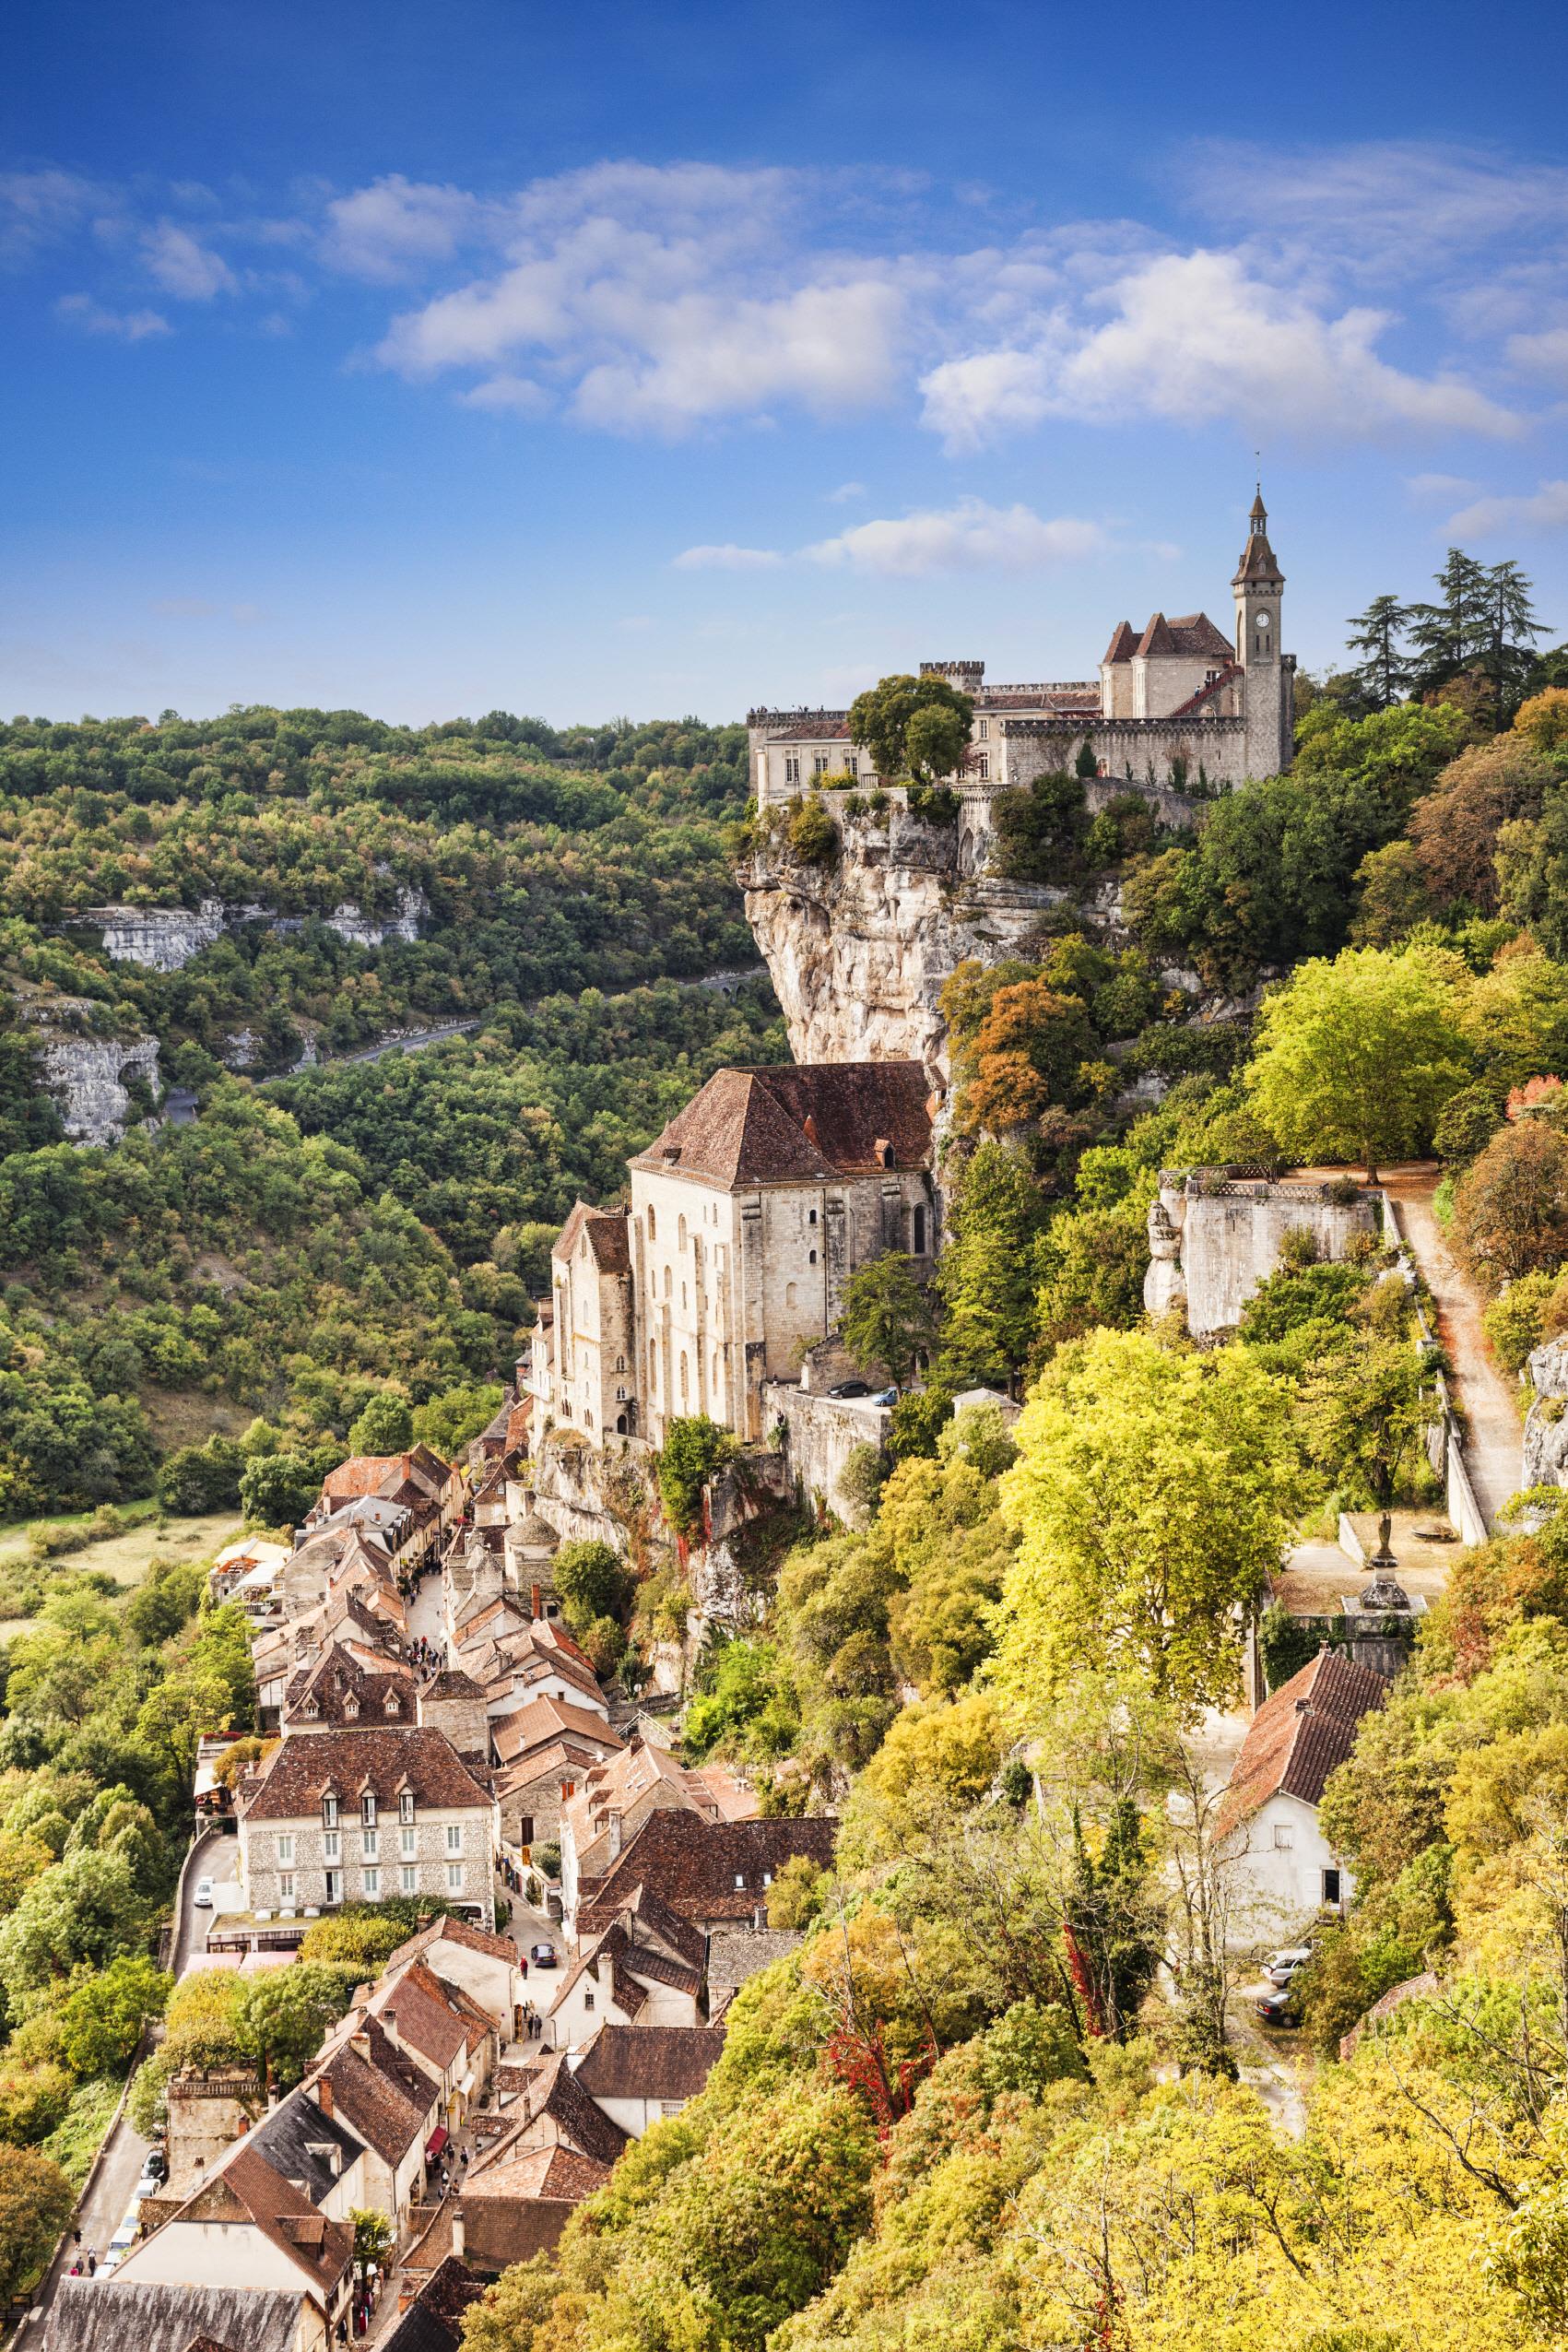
(324, 2098)
(538, 1602)
(360, 2042)
(389, 2027)
(459, 2232)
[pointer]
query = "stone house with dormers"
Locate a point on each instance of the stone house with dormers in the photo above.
(335, 1817)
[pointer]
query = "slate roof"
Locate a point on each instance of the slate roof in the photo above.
(649, 2062)
(295, 2139)
(608, 1237)
(799, 1124)
(88, 2316)
(384, 1761)
(433, 2321)
(738, 1953)
(692, 1864)
(1299, 1735)
(544, 1722)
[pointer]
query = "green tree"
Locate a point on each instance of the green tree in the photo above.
(694, 1450)
(1153, 1495)
(374, 2239)
(593, 1581)
(912, 726)
(1382, 674)
(447, 1422)
(277, 1490)
(1511, 1207)
(386, 1425)
(36, 2201)
(104, 2014)
(1362, 1414)
(1448, 635)
(1511, 629)
(284, 2014)
(986, 1274)
(886, 1317)
(84, 1909)
(1356, 1059)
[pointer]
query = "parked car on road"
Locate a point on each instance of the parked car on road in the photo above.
(120, 2245)
(1278, 2006)
(884, 1397)
(1286, 1966)
(542, 1955)
(201, 1898)
(850, 1388)
(155, 2173)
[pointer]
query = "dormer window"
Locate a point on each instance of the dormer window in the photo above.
(405, 1805)
(329, 1812)
(368, 1810)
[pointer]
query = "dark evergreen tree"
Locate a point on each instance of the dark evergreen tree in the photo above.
(1382, 674)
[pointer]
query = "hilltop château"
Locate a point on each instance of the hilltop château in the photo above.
(748, 1216)
(1180, 699)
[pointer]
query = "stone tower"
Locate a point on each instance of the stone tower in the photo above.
(1269, 674)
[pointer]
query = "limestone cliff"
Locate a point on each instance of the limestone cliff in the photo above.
(165, 939)
(86, 1077)
(858, 949)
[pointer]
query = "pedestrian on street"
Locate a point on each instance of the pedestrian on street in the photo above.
(92, 2262)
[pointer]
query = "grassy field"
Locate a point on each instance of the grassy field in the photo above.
(125, 1556)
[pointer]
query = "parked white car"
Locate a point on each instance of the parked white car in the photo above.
(201, 1898)
(1287, 1965)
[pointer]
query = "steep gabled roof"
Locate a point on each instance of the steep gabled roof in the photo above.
(649, 2062)
(89, 2316)
(450, 1931)
(544, 1722)
(385, 1761)
(1299, 1735)
(608, 1234)
(555, 2107)
(247, 2188)
(385, 2096)
(798, 1124)
(1124, 642)
(693, 1864)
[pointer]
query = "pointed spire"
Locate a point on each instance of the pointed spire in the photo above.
(1259, 515)
(1258, 562)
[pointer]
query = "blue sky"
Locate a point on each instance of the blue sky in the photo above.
(434, 357)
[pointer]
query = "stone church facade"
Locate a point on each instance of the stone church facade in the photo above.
(1178, 703)
(748, 1216)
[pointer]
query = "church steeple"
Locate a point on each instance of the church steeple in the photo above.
(1258, 562)
(1268, 674)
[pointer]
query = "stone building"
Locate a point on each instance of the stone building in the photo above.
(1178, 699)
(345, 1815)
(1268, 1818)
(748, 1216)
(1216, 1234)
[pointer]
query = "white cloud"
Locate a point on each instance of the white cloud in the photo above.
(728, 558)
(970, 536)
(1196, 338)
(1427, 487)
(38, 208)
(133, 326)
(184, 267)
(397, 227)
(1543, 355)
(513, 395)
(845, 495)
(1545, 509)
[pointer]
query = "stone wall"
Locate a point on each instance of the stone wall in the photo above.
(819, 1436)
(1136, 754)
(1216, 1234)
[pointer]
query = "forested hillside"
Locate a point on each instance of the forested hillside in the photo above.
(278, 1259)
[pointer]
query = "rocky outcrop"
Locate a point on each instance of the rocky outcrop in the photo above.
(1546, 1423)
(165, 938)
(859, 950)
(88, 1076)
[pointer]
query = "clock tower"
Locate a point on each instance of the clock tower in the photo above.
(1268, 674)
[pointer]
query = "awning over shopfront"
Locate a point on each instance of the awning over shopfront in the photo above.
(435, 2143)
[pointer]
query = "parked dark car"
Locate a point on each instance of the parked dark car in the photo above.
(851, 1389)
(542, 1955)
(1278, 2006)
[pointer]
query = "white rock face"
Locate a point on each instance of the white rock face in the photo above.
(1546, 1425)
(858, 952)
(86, 1076)
(165, 938)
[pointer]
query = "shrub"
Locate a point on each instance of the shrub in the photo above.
(813, 837)
(1515, 1321)
(694, 1450)
(1466, 1124)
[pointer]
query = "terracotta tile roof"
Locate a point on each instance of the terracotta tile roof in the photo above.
(692, 1864)
(364, 1474)
(555, 2107)
(1412, 1989)
(426, 2019)
(1124, 642)
(434, 2321)
(451, 1681)
(544, 1722)
(307, 1765)
(649, 2062)
(1300, 1733)
(384, 2097)
(247, 2188)
(1193, 635)
(450, 1931)
(798, 1124)
(608, 1237)
(555, 2172)
(826, 730)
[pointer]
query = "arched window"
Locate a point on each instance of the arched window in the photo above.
(920, 1233)
(681, 1233)
(811, 1256)
(684, 1383)
(811, 1217)
(667, 1281)
(683, 1298)
(789, 1294)
(650, 1220)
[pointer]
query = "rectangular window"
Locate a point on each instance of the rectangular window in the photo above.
(740, 1878)
(852, 766)
(408, 1879)
(329, 1845)
(792, 768)
(286, 1886)
(588, 2000)
(454, 1878)
(335, 1886)
(405, 1844)
(982, 728)
(285, 1850)
(368, 1810)
(405, 1806)
(983, 766)
(1284, 1836)
(455, 1836)
(568, 1789)
(329, 1812)
(1331, 1887)
(668, 2106)
(371, 1843)
(819, 763)
(372, 1882)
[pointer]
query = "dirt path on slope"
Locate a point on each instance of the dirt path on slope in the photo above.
(1484, 1395)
